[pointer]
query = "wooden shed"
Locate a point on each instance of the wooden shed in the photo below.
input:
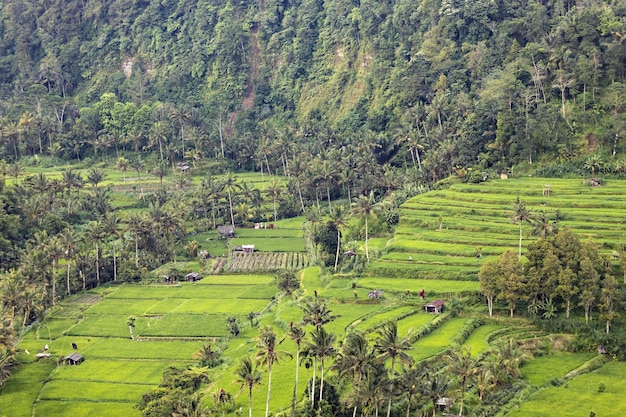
(226, 231)
(193, 276)
(434, 307)
(73, 359)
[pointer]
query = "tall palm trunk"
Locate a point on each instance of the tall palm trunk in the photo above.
(313, 384)
(136, 249)
(321, 383)
(269, 389)
(98, 263)
(367, 254)
(338, 246)
(393, 364)
(295, 387)
(68, 277)
(54, 280)
(230, 204)
(250, 402)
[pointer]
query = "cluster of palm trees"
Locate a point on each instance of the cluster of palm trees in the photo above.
(367, 373)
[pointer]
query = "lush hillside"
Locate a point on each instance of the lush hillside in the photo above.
(438, 84)
(451, 233)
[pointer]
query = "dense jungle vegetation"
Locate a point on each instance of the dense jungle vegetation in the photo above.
(430, 84)
(349, 106)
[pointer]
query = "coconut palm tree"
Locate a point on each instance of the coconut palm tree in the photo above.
(135, 225)
(520, 214)
(54, 250)
(268, 355)
(69, 240)
(94, 231)
(410, 382)
(461, 364)
(370, 392)
(321, 348)
(338, 218)
(95, 176)
(207, 355)
(296, 333)
(543, 226)
(390, 346)
(273, 190)
(365, 205)
(316, 312)
(249, 377)
(131, 326)
(354, 359)
(230, 186)
(435, 387)
(122, 164)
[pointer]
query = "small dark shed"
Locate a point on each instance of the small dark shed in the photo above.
(193, 276)
(226, 231)
(73, 359)
(434, 307)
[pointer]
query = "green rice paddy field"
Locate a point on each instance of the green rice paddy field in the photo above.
(450, 233)
(442, 234)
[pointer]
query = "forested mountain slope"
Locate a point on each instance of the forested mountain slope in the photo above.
(459, 83)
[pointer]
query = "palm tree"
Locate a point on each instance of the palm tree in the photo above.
(365, 205)
(268, 355)
(137, 165)
(230, 185)
(207, 355)
(111, 226)
(248, 376)
(181, 118)
(390, 346)
(158, 135)
(338, 218)
(191, 406)
(328, 175)
(520, 214)
(135, 224)
(160, 171)
(95, 176)
(54, 249)
(435, 387)
(410, 384)
(122, 164)
(131, 326)
(94, 231)
(484, 380)
(371, 390)
(273, 191)
(316, 312)
(321, 347)
(355, 359)
(461, 364)
(296, 333)
(69, 240)
(542, 226)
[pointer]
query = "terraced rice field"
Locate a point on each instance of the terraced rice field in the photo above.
(450, 233)
(172, 322)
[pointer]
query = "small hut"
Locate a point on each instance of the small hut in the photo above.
(182, 167)
(247, 248)
(434, 307)
(73, 359)
(193, 276)
(226, 231)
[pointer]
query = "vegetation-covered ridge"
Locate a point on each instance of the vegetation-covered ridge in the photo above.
(432, 85)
